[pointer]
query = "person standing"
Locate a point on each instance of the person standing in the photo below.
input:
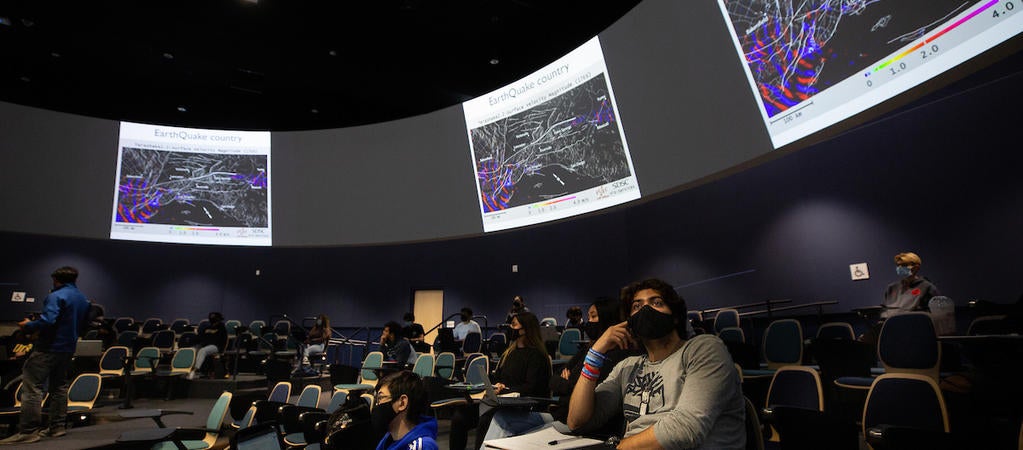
(64, 317)
(518, 306)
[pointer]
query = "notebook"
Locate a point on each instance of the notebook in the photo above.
(88, 348)
(548, 439)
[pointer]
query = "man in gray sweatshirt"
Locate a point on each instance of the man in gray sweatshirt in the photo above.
(682, 394)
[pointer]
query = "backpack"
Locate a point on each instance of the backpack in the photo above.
(350, 427)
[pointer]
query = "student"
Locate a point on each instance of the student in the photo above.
(466, 326)
(679, 394)
(575, 317)
(395, 347)
(525, 368)
(212, 341)
(316, 340)
(398, 414)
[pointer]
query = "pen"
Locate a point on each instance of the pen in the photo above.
(563, 440)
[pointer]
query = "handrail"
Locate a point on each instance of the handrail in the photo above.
(748, 305)
(819, 305)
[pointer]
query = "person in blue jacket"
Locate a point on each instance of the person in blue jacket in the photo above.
(63, 320)
(397, 414)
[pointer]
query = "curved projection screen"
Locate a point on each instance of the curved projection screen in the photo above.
(812, 64)
(550, 145)
(192, 186)
(694, 84)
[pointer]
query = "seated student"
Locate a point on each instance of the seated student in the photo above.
(395, 347)
(525, 368)
(397, 414)
(415, 333)
(466, 326)
(212, 341)
(316, 340)
(575, 317)
(679, 394)
(602, 314)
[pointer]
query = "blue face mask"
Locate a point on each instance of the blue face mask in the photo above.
(903, 271)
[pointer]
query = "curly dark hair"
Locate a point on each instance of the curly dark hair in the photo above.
(668, 294)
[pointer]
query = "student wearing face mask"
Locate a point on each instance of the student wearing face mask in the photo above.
(524, 368)
(518, 306)
(681, 393)
(911, 292)
(466, 325)
(316, 340)
(212, 341)
(601, 314)
(398, 414)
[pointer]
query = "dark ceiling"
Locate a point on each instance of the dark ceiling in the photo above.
(279, 64)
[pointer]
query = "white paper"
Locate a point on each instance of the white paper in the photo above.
(542, 439)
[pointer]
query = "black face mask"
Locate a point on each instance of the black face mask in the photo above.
(381, 417)
(513, 334)
(516, 305)
(465, 317)
(649, 323)
(592, 330)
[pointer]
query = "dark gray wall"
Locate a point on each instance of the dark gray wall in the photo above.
(939, 178)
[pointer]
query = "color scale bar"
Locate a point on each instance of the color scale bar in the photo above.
(937, 35)
(194, 229)
(551, 202)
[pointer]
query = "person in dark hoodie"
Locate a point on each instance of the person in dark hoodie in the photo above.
(398, 414)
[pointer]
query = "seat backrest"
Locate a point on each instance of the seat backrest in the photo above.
(147, 358)
(151, 325)
(127, 338)
(905, 399)
(548, 322)
(798, 386)
(445, 365)
(909, 344)
(836, 330)
(112, 361)
(472, 373)
(987, 325)
(282, 328)
(733, 335)
(424, 365)
(247, 419)
(83, 391)
(336, 401)
(179, 326)
(754, 434)
(123, 323)
(280, 393)
(256, 327)
(374, 361)
(310, 396)
(164, 340)
(472, 343)
(726, 318)
(183, 360)
(216, 418)
(783, 343)
(231, 326)
(567, 345)
(188, 339)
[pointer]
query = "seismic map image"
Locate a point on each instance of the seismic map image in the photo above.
(567, 144)
(796, 49)
(192, 189)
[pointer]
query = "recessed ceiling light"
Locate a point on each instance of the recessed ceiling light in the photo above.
(314, 111)
(494, 61)
(55, 54)
(25, 79)
(182, 109)
(332, 53)
(168, 55)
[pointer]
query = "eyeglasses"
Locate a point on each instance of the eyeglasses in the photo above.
(380, 398)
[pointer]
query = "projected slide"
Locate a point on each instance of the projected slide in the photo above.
(192, 186)
(551, 145)
(814, 63)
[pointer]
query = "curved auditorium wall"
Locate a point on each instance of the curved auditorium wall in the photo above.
(935, 178)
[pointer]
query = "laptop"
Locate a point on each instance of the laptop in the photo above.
(446, 339)
(491, 398)
(89, 348)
